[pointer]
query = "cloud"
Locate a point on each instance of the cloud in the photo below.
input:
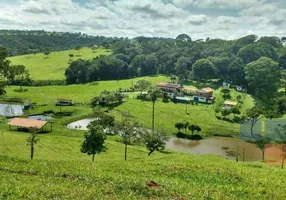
(197, 19)
(219, 4)
(227, 19)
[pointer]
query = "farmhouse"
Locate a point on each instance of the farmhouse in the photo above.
(204, 95)
(64, 102)
(229, 104)
(23, 124)
(170, 88)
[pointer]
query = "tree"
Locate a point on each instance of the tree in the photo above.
(78, 48)
(263, 74)
(179, 126)
(154, 93)
(143, 85)
(94, 140)
(254, 114)
(186, 125)
(128, 130)
(255, 51)
(235, 71)
(203, 69)
(21, 73)
(155, 141)
(32, 140)
(182, 68)
(261, 144)
(46, 53)
(4, 70)
(102, 119)
(283, 79)
(281, 105)
(232, 151)
(194, 128)
(183, 40)
(235, 110)
(71, 56)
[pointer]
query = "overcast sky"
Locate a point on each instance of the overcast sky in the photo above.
(226, 19)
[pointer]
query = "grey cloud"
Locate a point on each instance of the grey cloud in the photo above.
(197, 19)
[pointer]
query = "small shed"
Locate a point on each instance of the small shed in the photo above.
(27, 104)
(24, 124)
(64, 102)
(229, 104)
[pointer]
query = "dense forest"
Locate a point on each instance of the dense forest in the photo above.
(25, 42)
(249, 61)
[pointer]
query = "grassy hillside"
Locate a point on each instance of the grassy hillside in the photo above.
(53, 66)
(167, 114)
(180, 176)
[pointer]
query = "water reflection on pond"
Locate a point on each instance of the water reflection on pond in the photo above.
(41, 117)
(80, 124)
(10, 110)
(212, 145)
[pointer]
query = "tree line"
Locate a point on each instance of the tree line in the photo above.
(241, 61)
(27, 42)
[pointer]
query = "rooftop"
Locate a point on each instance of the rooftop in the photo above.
(169, 85)
(231, 103)
(208, 89)
(27, 123)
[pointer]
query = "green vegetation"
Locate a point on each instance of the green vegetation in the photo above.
(54, 65)
(177, 176)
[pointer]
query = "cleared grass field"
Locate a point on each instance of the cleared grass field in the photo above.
(53, 66)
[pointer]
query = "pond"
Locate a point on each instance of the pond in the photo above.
(80, 124)
(41, 117)
(212, 145)
(11, 110)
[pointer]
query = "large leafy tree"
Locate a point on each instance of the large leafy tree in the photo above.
(253, 52)
(94, 140)
(129, 130)
(263, 75)
(235, 71)
(143, 85)
(5, 70)
(183, 67)
(203, 69)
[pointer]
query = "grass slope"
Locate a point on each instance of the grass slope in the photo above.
(167, 114)
(54, 65)
(180, 176)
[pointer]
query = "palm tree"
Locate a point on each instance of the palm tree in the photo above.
(154, 94)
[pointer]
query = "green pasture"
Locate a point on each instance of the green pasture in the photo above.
(53, 66)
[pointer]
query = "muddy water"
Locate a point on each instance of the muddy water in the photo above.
(212, 145)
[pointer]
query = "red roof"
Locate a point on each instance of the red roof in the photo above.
(27, 123)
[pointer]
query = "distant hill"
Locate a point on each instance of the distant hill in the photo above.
(25, 42)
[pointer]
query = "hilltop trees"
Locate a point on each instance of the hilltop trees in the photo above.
(5, 70)
(263, 75)
(203, 69)
(253, 52)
